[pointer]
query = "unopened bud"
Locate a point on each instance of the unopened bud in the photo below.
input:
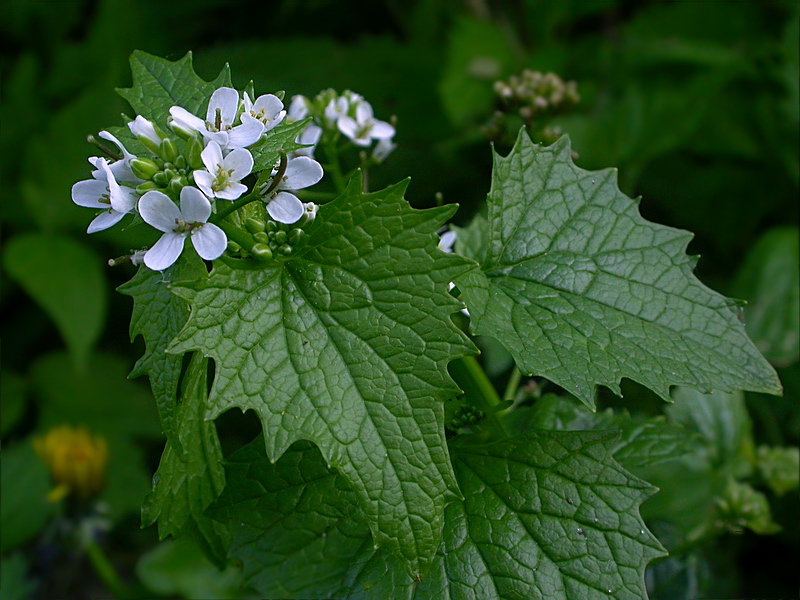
(261, 237)
(182, 132)
(261, 252)
(180, 162)
(168, 150)
(280, 237)
(295, 235)
(146, 187)
(233, 247)
(161, 179)
(253, 225)
(146, 133)
(144, 168)
(176, 185)
(285, 249)
(193, 150)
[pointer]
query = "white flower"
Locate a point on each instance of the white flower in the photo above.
(120, 168)
(267, 109)
(446, 241)
(282, 205)
(145, 131)
(222, 177)
(115, 200)
(191, 220)
(364, 128)
(309, 137)
(383, 149)
(336, 109)
(298, 109)
(218, 126)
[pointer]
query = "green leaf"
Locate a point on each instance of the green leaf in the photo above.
(106, 403)
(546, 515)
(24, 485)
(641, 442)
(267, 151)
(159, 84)
(12, 391)
(14, 582)
(190, 475)
(181, 569)
(66, 280)
(158, 315)
(583, 291)
(770, 281)
(347, 345)
(721, 420)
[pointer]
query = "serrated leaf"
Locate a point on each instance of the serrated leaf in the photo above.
(190, 476)
(347, 345)
(640, 443)
(770, 281)
(583, 291)
(64, 277)
(546, 515)
(159, 84)
(267, 151)
(158, 315)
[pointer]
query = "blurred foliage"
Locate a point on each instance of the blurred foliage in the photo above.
(696, 104)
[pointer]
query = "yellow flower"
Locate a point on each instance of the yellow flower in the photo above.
(76, 460)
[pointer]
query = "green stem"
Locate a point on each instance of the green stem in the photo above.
(479, 390)
(233, 207)
(106, 572)
(333, 166)
(513, 385)
(238, 235)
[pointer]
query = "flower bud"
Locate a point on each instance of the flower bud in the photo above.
(168, 150)
(193, 150)
(182, 132)
(285, 249)
(146, 187)
(180, 162)
(144, 168)
(261, 252)
(295, 235)
(146, 133)
(161, 179)
(233, 247)
(176, 185)
(280, 237)
(262, 237)
(253, 225)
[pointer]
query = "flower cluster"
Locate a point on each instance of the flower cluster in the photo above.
(347, 114)
(181, 182)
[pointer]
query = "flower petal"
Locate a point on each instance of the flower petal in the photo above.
(285, 208)
(209, 241)
(195, 207)
(212, 156)
(298, 109)
(381, 130)
(106, 135)
(301, 172)
(141, 127)
(88, 193)
(226, 100)
(164, 252)
(159, 211)
(348, 126)
(104, 220)
(204, 181)
(274, 121)
(231, 191)
(270, 104)
(187, 119)
(239, 162)
(364, 112)
(246, 134)
(122, 199)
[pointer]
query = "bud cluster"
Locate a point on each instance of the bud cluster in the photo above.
(465, 416)
(534, 94)
(270, 239)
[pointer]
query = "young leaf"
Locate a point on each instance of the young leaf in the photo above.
(158, 315)
(347, 345)
(583, 291)
(267, 151)
(546, 515)
(65, 278)
(159, 84)
(190, 475)
(770, 281)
